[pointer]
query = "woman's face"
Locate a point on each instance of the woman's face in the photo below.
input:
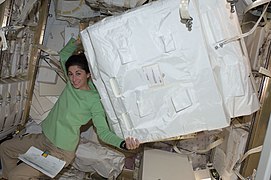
(78, 77)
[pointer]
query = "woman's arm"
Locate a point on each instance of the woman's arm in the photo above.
(66, 52)
(108, 136)
(100, 123)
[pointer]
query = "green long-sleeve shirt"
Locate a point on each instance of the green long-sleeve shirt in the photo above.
(73, 109)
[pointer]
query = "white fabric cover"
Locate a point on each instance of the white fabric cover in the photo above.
(93, 156)
(158, 80)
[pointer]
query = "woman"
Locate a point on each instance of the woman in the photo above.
(78, 103)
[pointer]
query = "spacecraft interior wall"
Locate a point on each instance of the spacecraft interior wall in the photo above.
(159, 80)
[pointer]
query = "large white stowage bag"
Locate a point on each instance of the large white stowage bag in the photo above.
(158, 80)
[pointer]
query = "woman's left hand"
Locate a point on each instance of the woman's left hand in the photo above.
(132, 143)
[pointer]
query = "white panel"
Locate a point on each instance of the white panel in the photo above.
(55, 42)
(46, 89)
(157, 164)
(40, 106)
(174, 81)
(71, 32)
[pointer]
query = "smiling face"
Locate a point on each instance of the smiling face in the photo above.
(78, 77)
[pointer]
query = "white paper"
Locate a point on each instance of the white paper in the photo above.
(49, 165)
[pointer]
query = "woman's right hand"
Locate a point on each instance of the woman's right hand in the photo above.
(132, 143)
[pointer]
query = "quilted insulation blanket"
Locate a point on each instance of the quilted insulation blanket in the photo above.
(159, 79)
